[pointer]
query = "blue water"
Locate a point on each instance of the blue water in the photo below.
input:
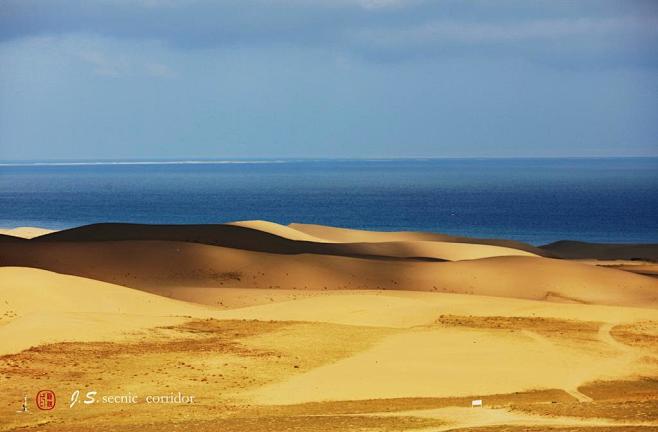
(534, 200)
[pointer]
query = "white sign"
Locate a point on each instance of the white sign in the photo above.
(476, 403)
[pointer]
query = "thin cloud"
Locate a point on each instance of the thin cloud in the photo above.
(159, 70)
(107, 65)
(102, 65)
(484, 33)
(609, 31)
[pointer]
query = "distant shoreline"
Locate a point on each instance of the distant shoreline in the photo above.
(16, 163)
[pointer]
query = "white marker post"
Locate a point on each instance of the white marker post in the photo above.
(24, 405)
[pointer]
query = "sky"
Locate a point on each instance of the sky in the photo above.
(188, 79)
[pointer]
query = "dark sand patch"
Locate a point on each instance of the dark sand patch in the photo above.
(557, 429)
(548, 327)
(643, 334)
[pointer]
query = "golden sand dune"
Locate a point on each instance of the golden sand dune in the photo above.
(424, 246)
(346, 235)
(162, 267)
(582, 250)
(29, 290)
(38, 306)
(280, 230)
(269, 237)
(25, 232)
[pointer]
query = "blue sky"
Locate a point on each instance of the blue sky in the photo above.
(151, 79)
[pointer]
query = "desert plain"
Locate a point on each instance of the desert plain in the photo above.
(314, 328)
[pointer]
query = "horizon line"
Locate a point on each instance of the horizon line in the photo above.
(228, 161)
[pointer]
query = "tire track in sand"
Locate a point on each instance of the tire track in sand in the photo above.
(581, 397)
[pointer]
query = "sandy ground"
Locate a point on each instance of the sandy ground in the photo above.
(257, 357)
(363, 360)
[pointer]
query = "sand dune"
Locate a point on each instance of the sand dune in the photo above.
(272, 238)
(398, 244)
(231, 236)
(280, 230)
(326, 234)
(344, 235)
(29, 290)
(161, 267)
(11, 238)
(417, 245)
(38, 306)
(25, 232)
(433, 249)
(582, 250)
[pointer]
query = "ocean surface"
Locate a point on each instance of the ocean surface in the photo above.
(533, 200)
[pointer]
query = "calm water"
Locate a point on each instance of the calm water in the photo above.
(535, 200)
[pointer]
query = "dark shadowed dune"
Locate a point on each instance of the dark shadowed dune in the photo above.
(229, 236)
(570, 249)
(9, 238)
(252, 239)
(165, 268)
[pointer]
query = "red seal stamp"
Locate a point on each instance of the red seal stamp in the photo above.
(46, 400)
